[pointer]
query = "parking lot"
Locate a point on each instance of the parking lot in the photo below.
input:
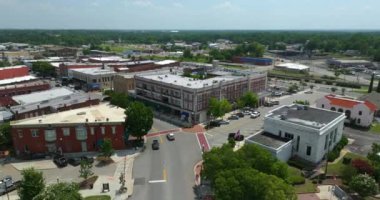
(247, 126)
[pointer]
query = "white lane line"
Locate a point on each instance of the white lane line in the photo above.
(157, 181)
(209, 134)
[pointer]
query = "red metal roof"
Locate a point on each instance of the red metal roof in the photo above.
(348, 103)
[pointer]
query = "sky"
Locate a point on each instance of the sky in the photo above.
(191, 14)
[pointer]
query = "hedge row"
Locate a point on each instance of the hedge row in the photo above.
(334, 154)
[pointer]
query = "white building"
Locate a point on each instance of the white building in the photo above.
(301, 131)
(292, 67)
(361, 113)
(94, 76)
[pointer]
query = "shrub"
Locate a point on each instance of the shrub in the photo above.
(296, 180)
(346, 160)
(347, 173)
(362, 166)
(334, 154)
(364, 185)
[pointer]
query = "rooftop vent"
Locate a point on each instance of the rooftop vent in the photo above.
(188, 84)
(40, 121)
(107, 119)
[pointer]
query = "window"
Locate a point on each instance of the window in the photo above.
(323, 105)
(358, 121)
(360, 112)
(34, 132)
(308, 150)
(279, 133)
(81, 133)
(103, 130)
(114, 130)
(66, 131)
(335, 132)
(298, 143)
(92, 130)
(50, 135)
(326, 140)
(289, 135)
(333, 109)
(20, 134)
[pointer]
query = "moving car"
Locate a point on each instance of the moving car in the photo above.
(170, 136)
(60, 161)
(155, 145)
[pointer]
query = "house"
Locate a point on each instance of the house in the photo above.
(373, 97)
(360, 113)
(71, 131)
(302, 131)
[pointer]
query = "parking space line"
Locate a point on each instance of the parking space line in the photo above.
(164, 174)
(157, 181)
(161, 140)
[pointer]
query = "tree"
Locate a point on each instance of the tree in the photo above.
(85, 170)
(343, 90)
(218, 108)
(5, 136)
(293, 88)
(60, 191)
(378, 86)
(371, 83)
(311, 86)
(333, 89)
(187, 53)
(374, 157)
(106, 148)
(362, 166)
(337, 73)
(364, 185)
(249, 99)
(32, 183)
(139, 119)
(347, 173)
(44, 69)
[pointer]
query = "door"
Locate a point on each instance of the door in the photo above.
(84, 146)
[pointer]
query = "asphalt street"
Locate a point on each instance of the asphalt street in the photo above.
(167, 173)
(362, 140)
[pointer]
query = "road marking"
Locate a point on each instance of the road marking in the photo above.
(157, 181)
(209, 134)
(161, 140)
(164, 175)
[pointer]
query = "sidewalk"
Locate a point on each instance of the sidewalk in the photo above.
(121, 158)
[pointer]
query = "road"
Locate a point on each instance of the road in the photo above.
(362, 140)
(167, 173)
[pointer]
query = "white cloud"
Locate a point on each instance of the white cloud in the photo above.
(142, 3)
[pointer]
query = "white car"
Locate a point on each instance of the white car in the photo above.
(255, 114)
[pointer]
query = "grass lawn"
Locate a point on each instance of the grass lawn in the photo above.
(334, 169)
(307, 187)
(98, 197)
(362, 90)
(289, 74)
(375, 127)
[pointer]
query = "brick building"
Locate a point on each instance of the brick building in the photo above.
(6, 92)
(78, 130)
(13, 72)
(64, 68)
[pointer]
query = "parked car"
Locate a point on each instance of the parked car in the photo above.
(74, 161)
(155, 145)
(309, 92)
(214, 124)
(276, 102)
(233, 117)
(8, 185)
(247, 112)
(60, 161)
(255, 114)
(224, 122)
(170, 136)
(240, 114)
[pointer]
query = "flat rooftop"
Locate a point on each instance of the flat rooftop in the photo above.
(269, 140)
(94, 71)
(351, 61)
(42, 96)
(17, 79)
(12, 67)
(293, 66)
(187, 82)
(94, 114)
(304, 115)
(26, 84)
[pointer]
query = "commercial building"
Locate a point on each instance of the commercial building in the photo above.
(107, 59)
(63, 68)
(94, 78)
(253, 61)
(349, 63)
(50, 101)
(78, 130)
(187, 99)
(360, 113)
(124, 82)
(13, 72)
(302, 131)
(7, 91)
(292, 67)
(59, 51)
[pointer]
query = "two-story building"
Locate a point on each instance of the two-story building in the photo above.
(78, 130)
(302, 131)
(360, 113)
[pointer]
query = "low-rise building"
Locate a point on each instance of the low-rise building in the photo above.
(292, 67)
(349, 63)
(373, 97)
(302, 131)
(7, 91)
(360, 113)
(13, 72)
(187, 99)
(78, 130)
(94, 78)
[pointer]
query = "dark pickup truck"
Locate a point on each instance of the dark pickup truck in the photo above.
(7, 185)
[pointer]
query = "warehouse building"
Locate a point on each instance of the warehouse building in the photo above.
(292, 67)
(13, 72)
(349, 63)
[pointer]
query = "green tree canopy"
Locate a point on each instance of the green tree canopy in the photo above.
(218, 108)
(106, 148)
(44, 69)
(364, 185)
(5, 136)
(370, 87)
(85, 170)
(374, 157)
(249, 173)
(32, 183)
(249, 99)
(139, 119)
(60, 191)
